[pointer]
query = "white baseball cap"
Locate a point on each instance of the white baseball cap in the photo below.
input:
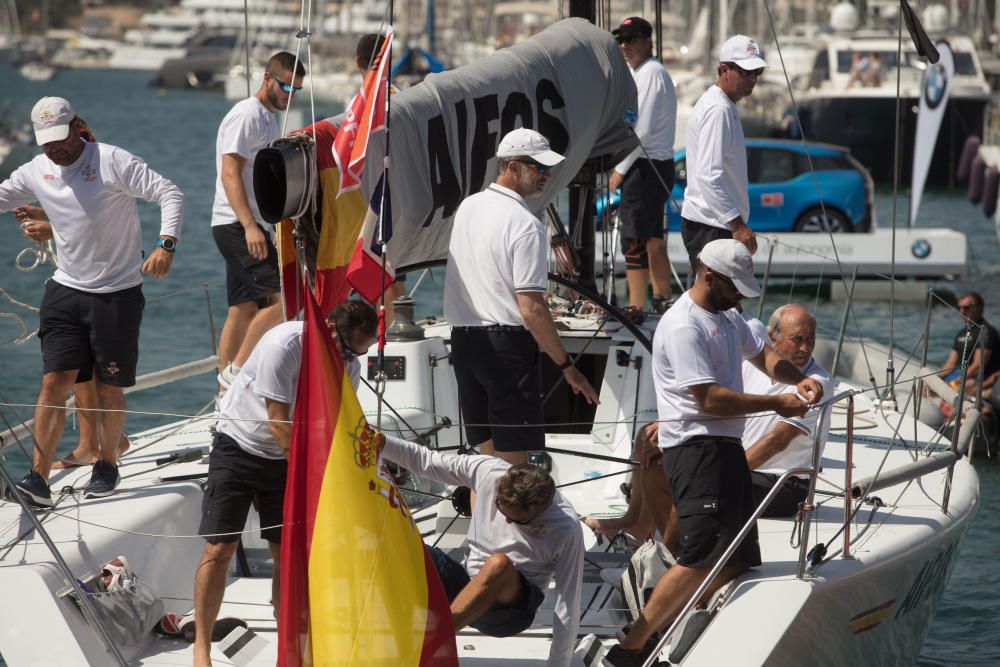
(743, 51)
(51, 117)
(523, 142)
(730, 258)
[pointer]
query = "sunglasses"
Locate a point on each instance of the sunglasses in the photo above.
(725, 280)
(746, 72)
(286, 87)
(540, 168)
(627, 39)
(520, 523)
(345, 350)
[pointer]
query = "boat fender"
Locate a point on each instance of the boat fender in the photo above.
(990, 186)
(975, 189)
(969, 151)
(284, 177)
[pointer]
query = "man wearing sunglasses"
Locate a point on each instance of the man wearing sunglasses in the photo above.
(717, 198)
(494, 298)
(248, 462)
(252, 282)
(522, 536)
(698, 350)
(646, 174)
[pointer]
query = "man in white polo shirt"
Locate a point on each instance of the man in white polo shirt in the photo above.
(249, 459)
(90, 313)
(646, 175)
(698, 350)
(716, 199)
(776, 444)
(494, 298)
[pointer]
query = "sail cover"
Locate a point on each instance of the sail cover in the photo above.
(568, 82)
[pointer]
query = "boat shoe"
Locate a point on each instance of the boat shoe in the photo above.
(103, 480)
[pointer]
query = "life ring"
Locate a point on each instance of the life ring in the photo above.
(991, 185)
(969, 151)
(976, 177)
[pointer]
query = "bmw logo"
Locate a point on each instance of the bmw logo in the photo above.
(921, 249)
(935, 85)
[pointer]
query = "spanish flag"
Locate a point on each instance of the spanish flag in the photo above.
(357, 584)
(340, 224)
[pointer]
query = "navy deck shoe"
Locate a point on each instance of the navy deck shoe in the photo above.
(35, 489)
(103, 480)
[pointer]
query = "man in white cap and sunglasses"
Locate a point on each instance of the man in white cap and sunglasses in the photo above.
(717, 200)
(90, 312)
(494, 298)
(698, 350)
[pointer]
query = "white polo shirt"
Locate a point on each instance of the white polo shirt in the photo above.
(716, 162)
(497, 248)
(91, 206)
(657, 120)
(798, 453)
(247, 128)
(693, 346)
(271, 372)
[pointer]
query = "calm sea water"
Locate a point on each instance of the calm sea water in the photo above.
(174, 131)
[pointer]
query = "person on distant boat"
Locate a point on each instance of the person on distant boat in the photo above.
(523, 534)
(248, 463)
(698, 349)
(252, 281)
(776, 444)
(717, 198)
(35, 225)
(494, 298)
(90, 313)
(646, 175)
(975, 354)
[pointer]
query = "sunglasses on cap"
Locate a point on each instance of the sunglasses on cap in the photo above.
(540, 168)
(286, 87)
(745, 72)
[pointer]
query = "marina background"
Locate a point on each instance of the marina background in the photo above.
(174, 131)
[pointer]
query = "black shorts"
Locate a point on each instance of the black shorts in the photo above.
(713, 495)
(237, 479)
(498, 620)
(786, 503)
(696, 235)
(499, 387)
(95, 334)
(644, 200)
(247, 278)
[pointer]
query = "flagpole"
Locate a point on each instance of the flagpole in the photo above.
(380, 374)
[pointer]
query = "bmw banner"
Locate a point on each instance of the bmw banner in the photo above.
(934, 91)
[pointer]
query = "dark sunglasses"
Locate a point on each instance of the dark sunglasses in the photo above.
(286, 87)
(345, 350)
(725, 280)
(540, 168)
(520, 523)
(627, 39)
(746, 72)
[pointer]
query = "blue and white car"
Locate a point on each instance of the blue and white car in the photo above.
(784, 197)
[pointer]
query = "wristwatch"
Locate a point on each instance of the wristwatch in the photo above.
(566, 364)
(167, 244)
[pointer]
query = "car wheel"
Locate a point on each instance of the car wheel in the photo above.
(813, 221)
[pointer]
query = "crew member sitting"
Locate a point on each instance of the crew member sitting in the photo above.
(523, 534)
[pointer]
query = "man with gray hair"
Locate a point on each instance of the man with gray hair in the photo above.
(776, 444)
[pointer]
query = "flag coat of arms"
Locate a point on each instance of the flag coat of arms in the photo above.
(357, 584)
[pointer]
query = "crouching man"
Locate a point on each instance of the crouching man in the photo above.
(522, 535)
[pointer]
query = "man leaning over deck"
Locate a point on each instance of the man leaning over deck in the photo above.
(523, 534)
(92, 307)
(698, 348)
(248, 463)
(494, 299)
